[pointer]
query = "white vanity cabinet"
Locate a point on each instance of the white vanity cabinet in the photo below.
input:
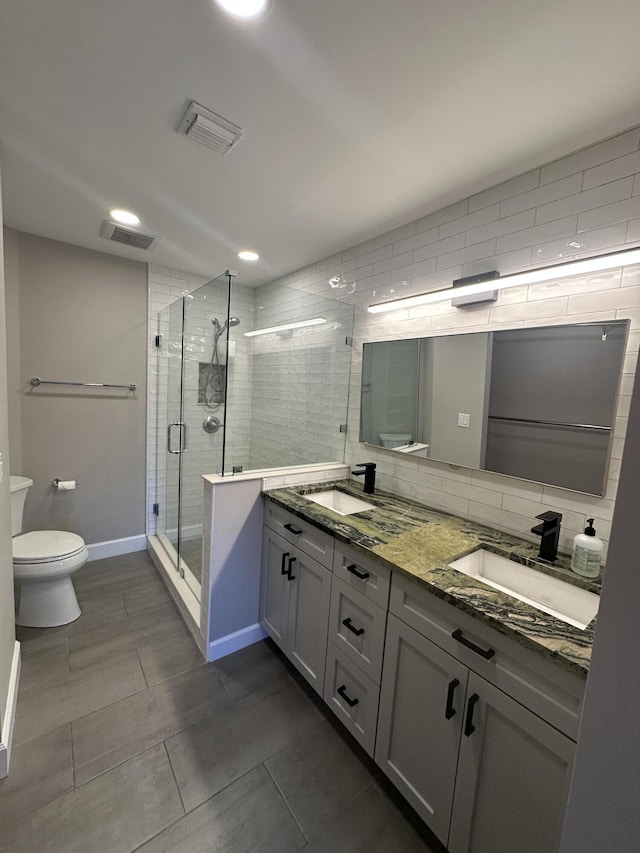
(295, 593)
(475, 730)
(485, 773)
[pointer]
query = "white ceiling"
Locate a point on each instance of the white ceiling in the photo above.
(359, 115)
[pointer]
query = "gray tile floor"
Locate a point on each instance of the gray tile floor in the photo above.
(125, 740)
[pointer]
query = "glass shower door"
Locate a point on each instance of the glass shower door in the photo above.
(192, 385)
(172, 433)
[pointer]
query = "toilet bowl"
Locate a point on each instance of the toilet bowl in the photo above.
(43, 561)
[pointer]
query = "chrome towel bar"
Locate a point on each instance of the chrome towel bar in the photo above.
(35, 382)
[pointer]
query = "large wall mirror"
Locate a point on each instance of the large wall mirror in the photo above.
(538, 404)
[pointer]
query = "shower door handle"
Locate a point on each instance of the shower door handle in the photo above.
(183, 437)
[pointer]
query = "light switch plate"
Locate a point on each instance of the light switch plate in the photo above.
(463, 419)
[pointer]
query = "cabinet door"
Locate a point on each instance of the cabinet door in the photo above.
(308, 618)
(419, 722)
(513, 777)
(274, 586)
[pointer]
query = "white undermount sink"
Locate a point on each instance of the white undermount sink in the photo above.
(339, 502)
(571, 604)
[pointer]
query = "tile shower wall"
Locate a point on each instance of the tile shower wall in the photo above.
(583, 204)
(165, 287)
(300, 380)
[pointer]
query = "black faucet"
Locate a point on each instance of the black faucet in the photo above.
(549, 532)
(369, 471)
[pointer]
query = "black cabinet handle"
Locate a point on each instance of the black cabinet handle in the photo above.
(469, 728)
(283, 571)
(289, 575)
(487, 654)
(450, 711)
(347, 624)
(292, 529)
(354, 571)
(342, 691)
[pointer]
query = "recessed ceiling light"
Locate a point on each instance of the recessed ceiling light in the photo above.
(124, 217)
(246, 255)
(244, 8)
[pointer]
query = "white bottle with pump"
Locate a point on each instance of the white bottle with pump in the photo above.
(587, 552)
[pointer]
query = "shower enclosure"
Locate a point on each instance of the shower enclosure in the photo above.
(227, 401)
(191, 368)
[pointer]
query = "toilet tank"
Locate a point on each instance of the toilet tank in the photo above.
(19, 486)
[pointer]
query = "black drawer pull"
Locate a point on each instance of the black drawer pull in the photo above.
(450, 711)
(292, 529)
(289, 575)
(347, 624)
(342, 691)
(283, 571)
(354, 571)
(487, 654)
(469, 728)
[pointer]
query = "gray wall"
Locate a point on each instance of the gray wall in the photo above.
(82, 317)
(12, 302)
(460, 371)
(7, 629)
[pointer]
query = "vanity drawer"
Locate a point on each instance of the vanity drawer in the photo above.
(362, 574)
(545, 688)
(352, 696)
(315, 543)
(357, 628)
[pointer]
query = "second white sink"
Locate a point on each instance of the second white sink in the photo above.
(571, 604)
(339, 502)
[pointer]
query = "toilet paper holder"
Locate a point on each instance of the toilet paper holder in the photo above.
(64, 485)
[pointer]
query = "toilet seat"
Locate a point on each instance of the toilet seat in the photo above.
(46, 546)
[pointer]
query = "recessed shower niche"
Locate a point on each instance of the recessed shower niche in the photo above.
(211, 384)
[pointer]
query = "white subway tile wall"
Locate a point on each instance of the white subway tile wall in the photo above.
(300, 380)
(586, 202)
(579, 205)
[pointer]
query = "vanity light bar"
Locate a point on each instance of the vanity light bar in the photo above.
(316, 321)
(569, 268)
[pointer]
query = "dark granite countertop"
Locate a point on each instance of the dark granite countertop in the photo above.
(421, 542)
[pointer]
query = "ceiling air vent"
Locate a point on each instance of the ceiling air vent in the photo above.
(210, 129)
(127, 236)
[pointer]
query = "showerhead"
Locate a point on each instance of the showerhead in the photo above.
(233, 321)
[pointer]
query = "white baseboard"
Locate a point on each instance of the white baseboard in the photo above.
(116, 547)
(10, 713)
(234, 642)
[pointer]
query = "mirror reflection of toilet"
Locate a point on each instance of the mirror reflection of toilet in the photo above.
(43, 561)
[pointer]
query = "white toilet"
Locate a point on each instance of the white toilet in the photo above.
(43, 561)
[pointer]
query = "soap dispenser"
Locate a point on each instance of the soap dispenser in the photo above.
(587, 552)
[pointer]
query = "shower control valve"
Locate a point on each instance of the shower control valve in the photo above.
(211, 424)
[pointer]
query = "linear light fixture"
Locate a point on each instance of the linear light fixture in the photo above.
(316, 321)
(607, 261)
